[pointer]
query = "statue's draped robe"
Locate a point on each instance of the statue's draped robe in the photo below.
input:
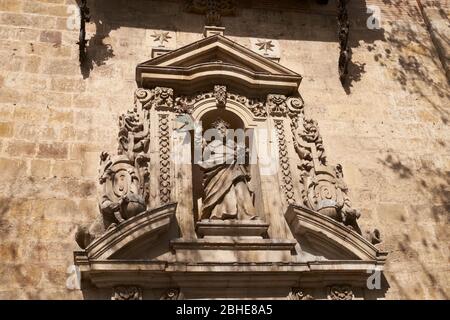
(226, 191)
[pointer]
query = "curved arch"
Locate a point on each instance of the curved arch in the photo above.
(209, 104)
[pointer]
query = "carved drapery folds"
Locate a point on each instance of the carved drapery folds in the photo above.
(127, 293)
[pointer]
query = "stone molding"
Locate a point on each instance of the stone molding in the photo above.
(303, 220)
(224, 228)
(192, 67)
(143, 227)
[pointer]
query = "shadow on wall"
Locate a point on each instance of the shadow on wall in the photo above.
(411, 58)
(284, 19)
(433, 183)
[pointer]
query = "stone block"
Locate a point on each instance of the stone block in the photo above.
(67, 168)
(6, 129)
(40, 168)
(53, 37)
(17, 148)
(52, 151)
(12, 168)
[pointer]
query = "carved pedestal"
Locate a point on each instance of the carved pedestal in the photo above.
(232, 228)
(232, 249)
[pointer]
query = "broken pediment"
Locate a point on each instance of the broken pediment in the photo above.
(217, 59)
(323, 237)
(131, 237)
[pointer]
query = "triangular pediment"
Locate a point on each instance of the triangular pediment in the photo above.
(217, 59)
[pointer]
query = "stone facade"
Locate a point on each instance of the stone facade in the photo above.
(387, 125)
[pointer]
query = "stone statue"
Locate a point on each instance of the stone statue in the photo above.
(226, 194)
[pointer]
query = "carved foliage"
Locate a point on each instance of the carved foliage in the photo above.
(171, 294)
(127, 293)
(220, 93)
(164, 159)
(185, 104)
(256, 106)
(340, 293)
(286, 183)
(276, 104)
(299, 294)
(309, 145)
(280, 106)
(125, 177)
(213, 9)
(324, 189)
(163, 98)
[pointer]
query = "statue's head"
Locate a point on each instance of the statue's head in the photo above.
(221, 126)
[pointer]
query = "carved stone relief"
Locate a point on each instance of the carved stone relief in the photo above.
(299, 294)
(220, 93)
(268, 48)
(342, 292)
(286, 176)
(225, 179)
(127, 293)
(171, 294)
(124, 177)
(212, 9)
(164, 159)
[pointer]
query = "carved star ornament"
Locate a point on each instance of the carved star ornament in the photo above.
(265, 45)
(161, 36)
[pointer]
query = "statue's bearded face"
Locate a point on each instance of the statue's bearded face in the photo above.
(221, 129)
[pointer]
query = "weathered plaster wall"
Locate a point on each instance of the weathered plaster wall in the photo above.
(389, 130)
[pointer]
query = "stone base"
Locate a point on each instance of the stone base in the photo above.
(232, 249)
(232, 228)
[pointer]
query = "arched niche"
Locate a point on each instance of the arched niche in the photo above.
(243, 124)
